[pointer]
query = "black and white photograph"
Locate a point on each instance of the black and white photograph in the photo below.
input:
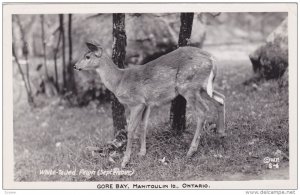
(106, 97)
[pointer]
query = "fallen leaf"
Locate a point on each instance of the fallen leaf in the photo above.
(44, 124)
(163, 161)
(253, 141)
(218, 156)
(58, 144)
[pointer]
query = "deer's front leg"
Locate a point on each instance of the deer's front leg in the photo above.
(135, 119)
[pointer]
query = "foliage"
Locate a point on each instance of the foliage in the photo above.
(148, 36)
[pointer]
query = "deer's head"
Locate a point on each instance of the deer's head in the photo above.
(91, 60)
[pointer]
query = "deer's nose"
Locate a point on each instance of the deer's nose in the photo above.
(75, 67)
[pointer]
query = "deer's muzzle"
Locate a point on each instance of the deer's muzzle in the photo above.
(75, 67)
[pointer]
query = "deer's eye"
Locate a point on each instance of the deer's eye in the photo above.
(87, 57)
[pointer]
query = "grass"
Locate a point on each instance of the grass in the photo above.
(55, 136)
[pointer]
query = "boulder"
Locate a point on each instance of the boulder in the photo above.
(270, 60)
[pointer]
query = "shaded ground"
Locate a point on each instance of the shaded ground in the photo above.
(55, 136)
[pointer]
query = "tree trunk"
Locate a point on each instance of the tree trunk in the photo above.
(44, 46)
(178, 105)
(118, 57)
(25, 53)
(56, 49)
(70, 70)
(62, 31)
(29, 93)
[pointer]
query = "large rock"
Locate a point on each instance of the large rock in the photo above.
(270, 60)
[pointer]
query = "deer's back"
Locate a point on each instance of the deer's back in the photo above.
(159, 80)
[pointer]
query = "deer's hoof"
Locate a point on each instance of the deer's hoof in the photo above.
(222, 134)
(190, 153)
(124, 162)
(142, 153)
(123, 165)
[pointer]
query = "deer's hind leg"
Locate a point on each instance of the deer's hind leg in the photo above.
(199, 107)
(218, 100)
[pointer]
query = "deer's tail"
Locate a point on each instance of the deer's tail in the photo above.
(209, 84)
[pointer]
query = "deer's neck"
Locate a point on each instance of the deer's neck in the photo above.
(110, 74)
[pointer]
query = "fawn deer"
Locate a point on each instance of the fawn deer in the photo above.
(186, 71)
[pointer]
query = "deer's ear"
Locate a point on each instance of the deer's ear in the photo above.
(97, 50)
(91, 46)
